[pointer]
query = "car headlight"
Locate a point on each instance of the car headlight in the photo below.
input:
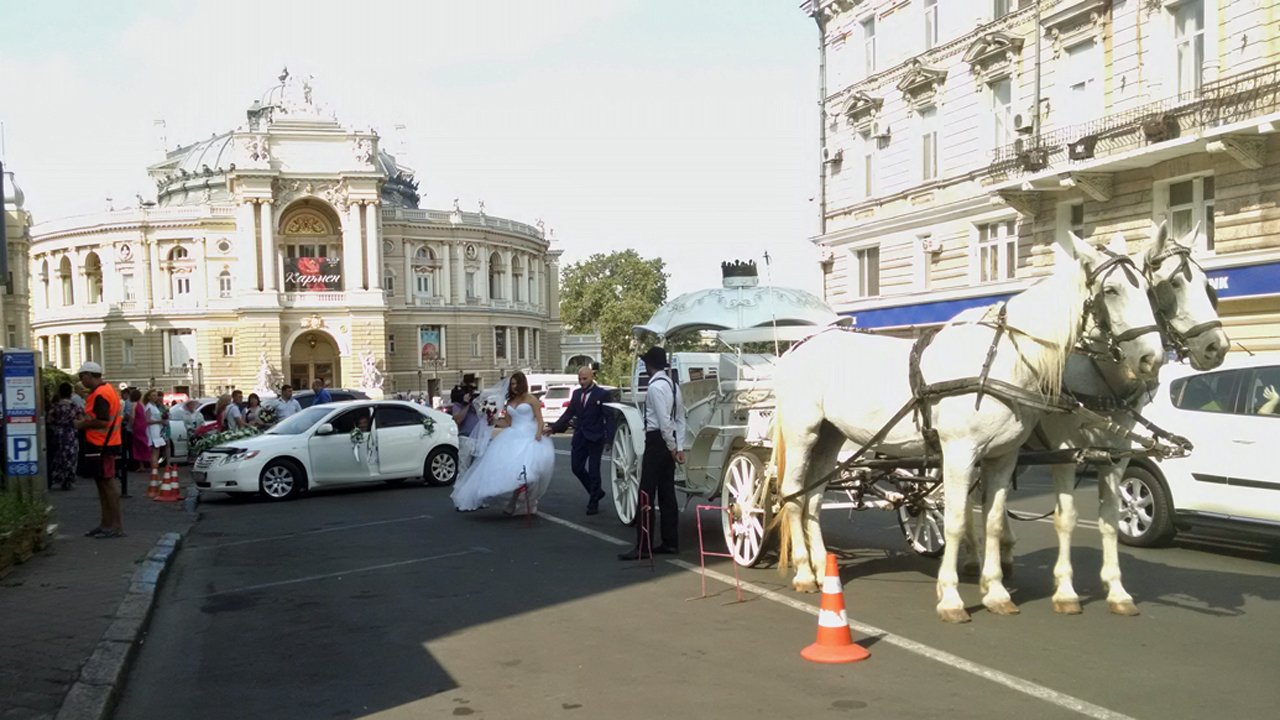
(239, 455)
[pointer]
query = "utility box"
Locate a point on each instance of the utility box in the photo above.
(25, 465)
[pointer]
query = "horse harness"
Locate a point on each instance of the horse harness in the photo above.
(1163, 300)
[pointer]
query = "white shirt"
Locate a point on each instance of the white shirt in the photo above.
(660, 398)
(155, 433)
(287, 408)
(230, 415)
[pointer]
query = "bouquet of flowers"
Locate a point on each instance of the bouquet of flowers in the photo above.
(490, 410)
(358, 437)
(267, 416)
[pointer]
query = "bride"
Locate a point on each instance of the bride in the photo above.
(520, 449)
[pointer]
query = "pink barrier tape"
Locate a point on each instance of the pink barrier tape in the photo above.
(703, 554)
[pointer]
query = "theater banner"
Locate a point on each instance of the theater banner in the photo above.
(429, 342)
(313, 274)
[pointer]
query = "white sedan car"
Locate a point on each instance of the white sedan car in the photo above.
(345, 443)
(1230, 480)
(555, 401)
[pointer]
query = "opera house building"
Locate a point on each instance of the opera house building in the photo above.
(293, 248)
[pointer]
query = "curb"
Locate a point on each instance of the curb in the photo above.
(93, 694)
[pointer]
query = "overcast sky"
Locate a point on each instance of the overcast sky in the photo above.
(685, 129)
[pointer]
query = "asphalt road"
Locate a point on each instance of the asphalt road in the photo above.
(386, 603)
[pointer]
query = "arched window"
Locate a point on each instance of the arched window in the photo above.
(388, 280)
(178, 253)
(495, 277)
(224, 284)
(44, 283)
(64, 274)
(517, 271)
(93, 277)
(424, 272)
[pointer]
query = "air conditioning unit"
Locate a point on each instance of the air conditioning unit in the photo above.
(1024, 122)
(879, 130)
(931, 245)
(832, 155)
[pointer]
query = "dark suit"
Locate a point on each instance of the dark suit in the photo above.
(592, 430)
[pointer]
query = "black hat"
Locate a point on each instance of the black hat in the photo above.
(656, 357)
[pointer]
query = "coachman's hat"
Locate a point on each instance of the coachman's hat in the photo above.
(655, 356)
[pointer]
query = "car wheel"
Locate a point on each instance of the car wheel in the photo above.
(281, 480)
(441, 467)
(1146, 515)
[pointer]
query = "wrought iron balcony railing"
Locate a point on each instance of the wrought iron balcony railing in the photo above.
(1222, 102)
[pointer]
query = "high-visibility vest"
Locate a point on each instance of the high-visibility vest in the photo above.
(98, 437)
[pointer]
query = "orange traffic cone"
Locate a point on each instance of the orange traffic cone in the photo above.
(168, 488)
(153, 490)
(173, 479)
(835, 643)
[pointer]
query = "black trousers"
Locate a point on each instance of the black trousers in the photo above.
(584, 459)
(658, 480)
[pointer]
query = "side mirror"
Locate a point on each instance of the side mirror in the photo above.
(325, 429)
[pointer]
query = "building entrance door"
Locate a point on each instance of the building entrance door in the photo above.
(314, 356)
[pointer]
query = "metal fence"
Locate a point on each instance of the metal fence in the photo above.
(1222, 102)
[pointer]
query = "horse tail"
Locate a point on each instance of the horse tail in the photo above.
(783, 519)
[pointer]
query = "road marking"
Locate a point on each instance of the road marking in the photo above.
(310, 532)
(353, 571)
(1027, 687)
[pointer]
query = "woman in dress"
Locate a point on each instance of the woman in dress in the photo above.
(141, 447)
(154, 417)
(62, 430)
(518, 456)
(252, 410)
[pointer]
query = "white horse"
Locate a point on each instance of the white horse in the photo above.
(1186, 306)
(822, 400)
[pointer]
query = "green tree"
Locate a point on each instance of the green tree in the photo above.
(610, 294)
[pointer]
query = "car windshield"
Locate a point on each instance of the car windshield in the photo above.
(558, 393)
(301, 422)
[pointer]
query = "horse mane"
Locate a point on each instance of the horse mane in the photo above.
(1045, 320)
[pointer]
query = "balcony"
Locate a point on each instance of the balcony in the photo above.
(312, 299)
(428, 301)
(1219, 104)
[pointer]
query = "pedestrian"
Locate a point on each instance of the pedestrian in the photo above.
(220, 412)
(77, 399)
(288, 405)
(102, 446)
(252, 409)
(466, 417)
(233, 419)
(126, 444)
(322, 395)
(140, 448)
(664, 428)
(592, 434)
(61, 425)
(154, 417)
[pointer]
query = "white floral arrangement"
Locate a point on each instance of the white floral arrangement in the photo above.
(215, 439)
(429, 425)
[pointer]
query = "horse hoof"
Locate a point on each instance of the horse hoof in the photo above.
(1006, 569)
(1123, 607)
(809, 586)
(1002, 607)
(1067, 607)
(956, 615)
(971, 570)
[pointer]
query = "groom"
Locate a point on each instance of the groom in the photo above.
(592, 434)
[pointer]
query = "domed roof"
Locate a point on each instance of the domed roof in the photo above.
(214, 153)
(13, 195)
(737, 308)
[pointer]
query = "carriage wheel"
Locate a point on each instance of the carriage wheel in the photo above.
(746, 500)
(626, 474)
(921, 524)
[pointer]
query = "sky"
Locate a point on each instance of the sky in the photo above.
(685, 129)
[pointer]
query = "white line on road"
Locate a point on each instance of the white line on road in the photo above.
(309, 532)
(1024, 686)
(383, 566)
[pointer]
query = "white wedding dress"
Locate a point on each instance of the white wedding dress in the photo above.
(498, 472)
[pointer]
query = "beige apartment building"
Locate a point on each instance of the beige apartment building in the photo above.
(946, 175)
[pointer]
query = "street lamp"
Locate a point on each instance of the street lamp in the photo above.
(419, 381)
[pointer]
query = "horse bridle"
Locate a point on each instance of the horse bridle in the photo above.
(1163, 300)
(1096, 307)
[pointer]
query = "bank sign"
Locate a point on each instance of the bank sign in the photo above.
(313, 274)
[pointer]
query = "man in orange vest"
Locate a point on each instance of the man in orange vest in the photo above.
(101, 423)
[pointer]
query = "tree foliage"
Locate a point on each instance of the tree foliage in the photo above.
(610, 294)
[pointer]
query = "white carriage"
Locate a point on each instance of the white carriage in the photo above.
(728, 400)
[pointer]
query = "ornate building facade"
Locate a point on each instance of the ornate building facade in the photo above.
(15, 303)
(960, 139)
(293, 248)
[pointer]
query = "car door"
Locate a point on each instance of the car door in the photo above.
(402, 444)
(1253, 483)
(1205, 406)
(335, 458)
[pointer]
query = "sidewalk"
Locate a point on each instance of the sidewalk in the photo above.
(56, 607)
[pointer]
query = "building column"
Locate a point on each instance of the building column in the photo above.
(409, 284)
(446, 286)
(373, 244)
(268, 246)
(155, 282)
(483, 281)
(351, 258)
(247, 253)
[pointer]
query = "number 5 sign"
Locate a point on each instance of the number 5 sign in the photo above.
(22, 443)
